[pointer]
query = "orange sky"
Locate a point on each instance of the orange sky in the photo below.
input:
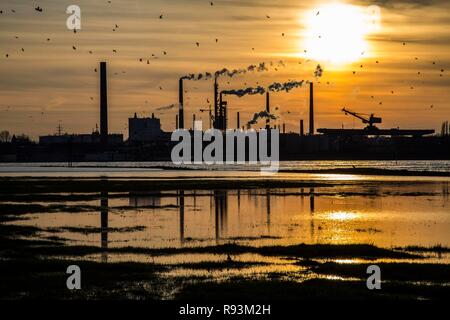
(50, 83)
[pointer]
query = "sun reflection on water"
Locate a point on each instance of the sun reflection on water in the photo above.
(343, 215)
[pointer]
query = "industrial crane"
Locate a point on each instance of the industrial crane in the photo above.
(371, 120)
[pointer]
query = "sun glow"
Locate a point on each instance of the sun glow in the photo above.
(337, 33)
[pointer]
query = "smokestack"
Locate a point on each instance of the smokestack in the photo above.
(193, 121)
(221, 122)
(216, 102)
(103, 105)
(181, 103)
(311, 108)
(267, 109)
(302, 130)
(238, 121)
(284, 127)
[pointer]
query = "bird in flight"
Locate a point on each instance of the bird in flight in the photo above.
(38, 9)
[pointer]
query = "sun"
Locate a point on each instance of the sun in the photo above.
(336, 33)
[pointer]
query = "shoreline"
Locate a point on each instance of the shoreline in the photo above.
(363, 171)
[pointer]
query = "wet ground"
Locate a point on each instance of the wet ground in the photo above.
(187, 238)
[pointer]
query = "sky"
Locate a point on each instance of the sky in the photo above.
(386, 57)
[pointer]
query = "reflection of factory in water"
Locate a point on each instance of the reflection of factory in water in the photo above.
(227, 220)
(147, 141)
(202, 217)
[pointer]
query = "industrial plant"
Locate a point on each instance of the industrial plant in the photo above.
(148, 142)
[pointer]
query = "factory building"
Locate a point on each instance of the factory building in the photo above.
(144, 129)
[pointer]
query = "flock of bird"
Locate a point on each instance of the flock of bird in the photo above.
(154, 56)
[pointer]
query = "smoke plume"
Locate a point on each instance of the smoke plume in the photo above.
(169, 107)
(243, 92)
(287, 86)
(318, 72)
(261, 115)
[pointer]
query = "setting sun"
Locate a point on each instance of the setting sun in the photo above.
(336, 33)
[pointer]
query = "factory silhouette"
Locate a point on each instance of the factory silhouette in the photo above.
(148, 142)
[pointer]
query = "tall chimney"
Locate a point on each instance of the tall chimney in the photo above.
(216, 102)
(181, 103)
(311, 108)
(284, 127)
(103, 105)
(193, 122)
(302, 130)
(267, 110)
(238, 121)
